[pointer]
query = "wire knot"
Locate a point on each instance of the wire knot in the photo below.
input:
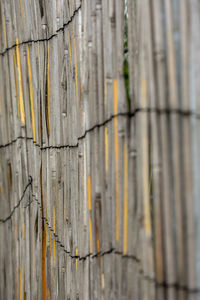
(30, 179)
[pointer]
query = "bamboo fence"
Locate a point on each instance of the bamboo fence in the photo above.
(99, 149)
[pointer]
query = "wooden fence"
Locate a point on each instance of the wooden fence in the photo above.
(99, 149)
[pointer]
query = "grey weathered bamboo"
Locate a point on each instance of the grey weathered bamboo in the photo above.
(99, 149)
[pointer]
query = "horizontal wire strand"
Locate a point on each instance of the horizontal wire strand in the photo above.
(18, 203)
(44, 39)
(128, 256)
(162, 284)
(184, 113)
(100, 253)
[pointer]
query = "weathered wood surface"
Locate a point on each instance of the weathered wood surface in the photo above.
(110, 167)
